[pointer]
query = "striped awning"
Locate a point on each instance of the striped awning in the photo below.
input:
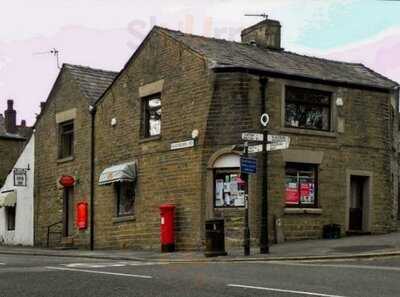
(118, 173)
(8, 199)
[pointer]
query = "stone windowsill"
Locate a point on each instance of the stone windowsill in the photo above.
(149, 139)
(289, 210)
(308, 132)
(65, 160)
(123, 219)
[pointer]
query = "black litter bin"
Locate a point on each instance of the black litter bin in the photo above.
(215, 238)
(331, 231)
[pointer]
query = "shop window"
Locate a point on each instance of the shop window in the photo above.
(301, 185)
(66, 146)
(228, 188)
(307, 109)
(125, 198)
(152, 116)
(10, 213)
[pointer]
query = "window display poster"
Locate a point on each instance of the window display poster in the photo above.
(219, 192)
(239, 201)
(291, 192)
(307, 193)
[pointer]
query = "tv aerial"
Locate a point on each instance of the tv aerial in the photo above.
(54, 52)
(262, 15)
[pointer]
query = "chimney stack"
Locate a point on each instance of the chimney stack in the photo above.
(266, 34)
(10, 118)
(23, 124)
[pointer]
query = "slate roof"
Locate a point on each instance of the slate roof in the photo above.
(224, 54)
(92, 82)
(22, 134)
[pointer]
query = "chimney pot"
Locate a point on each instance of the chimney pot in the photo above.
(10, 117)
(42, 105)
(266, 34)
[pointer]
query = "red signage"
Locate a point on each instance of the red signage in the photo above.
(67, 181)
(292, 195)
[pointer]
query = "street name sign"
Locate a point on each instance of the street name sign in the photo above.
(182, 145)
(277, 146)
(253, 136)
(248, 165)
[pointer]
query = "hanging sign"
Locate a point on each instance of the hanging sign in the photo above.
(20, 177)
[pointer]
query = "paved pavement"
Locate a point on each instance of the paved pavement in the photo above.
(348, 247)
(22, 275)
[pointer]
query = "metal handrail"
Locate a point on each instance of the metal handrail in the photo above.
(48, 231)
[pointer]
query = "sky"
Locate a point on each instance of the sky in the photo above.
(105, 33)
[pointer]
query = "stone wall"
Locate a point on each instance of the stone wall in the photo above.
(164, 176)
(49, 168)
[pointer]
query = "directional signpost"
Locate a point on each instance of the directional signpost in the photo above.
(260, 142)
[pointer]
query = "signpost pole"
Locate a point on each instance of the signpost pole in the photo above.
(264, 245)
(246, 214)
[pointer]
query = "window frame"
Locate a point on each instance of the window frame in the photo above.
(118, 189)
(303, 167)
(227, 170)
(329, 105)
(61, 146)
(146, 110)
(11, 218)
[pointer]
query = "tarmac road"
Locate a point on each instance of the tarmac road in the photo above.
(22, 275)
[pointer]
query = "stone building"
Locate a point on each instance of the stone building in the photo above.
(63, 149)
(13, 138)
(169, 127)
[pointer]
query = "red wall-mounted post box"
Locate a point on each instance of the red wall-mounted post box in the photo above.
(167, 213)
(82, 215)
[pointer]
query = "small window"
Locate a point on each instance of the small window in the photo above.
(152, 116)
(10, 213)
(125, 198)
(66, 148)
(301, 185)
(307, 109)
(228, 188)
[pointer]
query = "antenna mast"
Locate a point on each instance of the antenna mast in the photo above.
(54, 52)
(263, 15)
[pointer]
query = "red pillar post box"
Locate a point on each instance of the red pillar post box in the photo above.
(167, 213)
(82, 215)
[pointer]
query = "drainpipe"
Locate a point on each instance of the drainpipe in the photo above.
(92, 110)
(264, 244)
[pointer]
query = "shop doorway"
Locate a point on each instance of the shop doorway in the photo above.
(359, 204)
(68, 211)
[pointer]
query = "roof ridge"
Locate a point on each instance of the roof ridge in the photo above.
(263, 49)
(89, 68)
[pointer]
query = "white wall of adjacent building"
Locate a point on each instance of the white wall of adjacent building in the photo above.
(23, 233)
